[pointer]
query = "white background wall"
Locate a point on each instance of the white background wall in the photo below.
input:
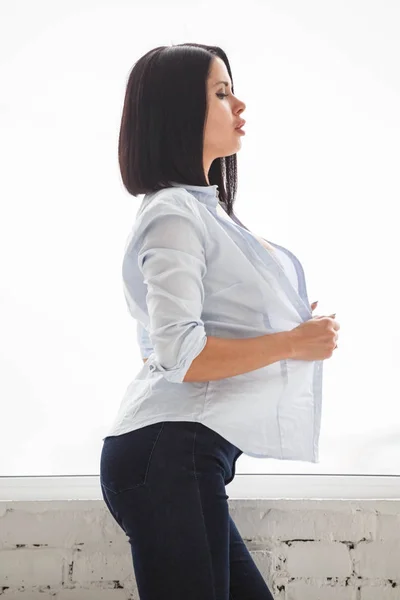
(318, 174)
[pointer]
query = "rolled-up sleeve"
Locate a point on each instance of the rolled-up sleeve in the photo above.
(171, 256)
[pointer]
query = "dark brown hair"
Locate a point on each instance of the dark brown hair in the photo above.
(161, 136)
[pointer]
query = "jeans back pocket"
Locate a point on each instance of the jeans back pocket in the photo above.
(125, 459)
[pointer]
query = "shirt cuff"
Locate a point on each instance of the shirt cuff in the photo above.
(191, 347)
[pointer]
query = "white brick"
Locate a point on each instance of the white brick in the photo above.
(382, 592)
(378, 560)
(57, 529)
(298, 590)
(84, 594)
(30, 567)
(279, 525)
(318, 559)
(98, 566)
(27, 594)
(387, 528)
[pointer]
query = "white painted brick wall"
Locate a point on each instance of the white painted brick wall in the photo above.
(305, 549)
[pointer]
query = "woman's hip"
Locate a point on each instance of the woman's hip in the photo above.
(166, 452)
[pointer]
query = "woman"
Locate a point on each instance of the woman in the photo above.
(183, 421)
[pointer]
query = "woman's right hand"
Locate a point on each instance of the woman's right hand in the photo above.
(315, 339)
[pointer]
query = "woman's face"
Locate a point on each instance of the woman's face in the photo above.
(224, 113)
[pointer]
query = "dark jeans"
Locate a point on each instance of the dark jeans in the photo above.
(164, 484)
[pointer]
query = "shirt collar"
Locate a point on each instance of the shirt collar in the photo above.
(207, 194)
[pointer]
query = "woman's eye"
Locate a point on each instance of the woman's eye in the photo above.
(222, 95)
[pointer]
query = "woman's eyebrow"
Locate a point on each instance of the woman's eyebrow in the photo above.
(224, 82)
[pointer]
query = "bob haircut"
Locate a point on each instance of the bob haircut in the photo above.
(161, 136)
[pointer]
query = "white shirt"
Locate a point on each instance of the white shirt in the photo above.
(189, 272)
